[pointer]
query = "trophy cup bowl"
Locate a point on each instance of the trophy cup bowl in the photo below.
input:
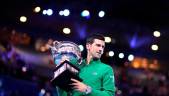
(65, 70)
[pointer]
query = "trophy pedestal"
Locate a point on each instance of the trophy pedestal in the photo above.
(63, 74)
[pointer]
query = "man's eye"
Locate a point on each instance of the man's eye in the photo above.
(98, 45)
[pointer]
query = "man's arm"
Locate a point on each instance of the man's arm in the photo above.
(108, 85)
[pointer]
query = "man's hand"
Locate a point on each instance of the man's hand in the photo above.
(79, 86)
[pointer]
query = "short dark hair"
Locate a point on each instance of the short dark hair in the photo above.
(91, 38)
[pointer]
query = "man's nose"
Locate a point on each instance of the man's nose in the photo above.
(101, 50)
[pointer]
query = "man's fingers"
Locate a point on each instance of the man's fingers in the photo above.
(74, 80)
(74, 84)
(76, 88)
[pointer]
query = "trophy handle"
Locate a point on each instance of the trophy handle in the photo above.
(52, 47)
(55, 42)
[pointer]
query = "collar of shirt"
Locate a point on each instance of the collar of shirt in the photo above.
(92, 61)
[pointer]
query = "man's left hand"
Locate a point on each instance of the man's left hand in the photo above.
(79, 86)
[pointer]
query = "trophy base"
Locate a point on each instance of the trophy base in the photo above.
(64, 74)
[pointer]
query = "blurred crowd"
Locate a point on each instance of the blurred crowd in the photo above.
(141, 82)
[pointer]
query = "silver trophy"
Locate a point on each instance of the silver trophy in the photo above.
(65, 50)
(67, 57)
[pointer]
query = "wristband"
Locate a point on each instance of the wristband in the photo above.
(88, 90)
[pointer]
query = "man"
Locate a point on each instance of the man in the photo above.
(98, 78)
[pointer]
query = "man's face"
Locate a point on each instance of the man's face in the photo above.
(96, 48)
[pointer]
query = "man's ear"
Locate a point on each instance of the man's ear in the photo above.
(87, 46)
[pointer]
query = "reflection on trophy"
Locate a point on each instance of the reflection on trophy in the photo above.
(64, 53)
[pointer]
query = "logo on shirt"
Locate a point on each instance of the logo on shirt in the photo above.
(94, 73)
